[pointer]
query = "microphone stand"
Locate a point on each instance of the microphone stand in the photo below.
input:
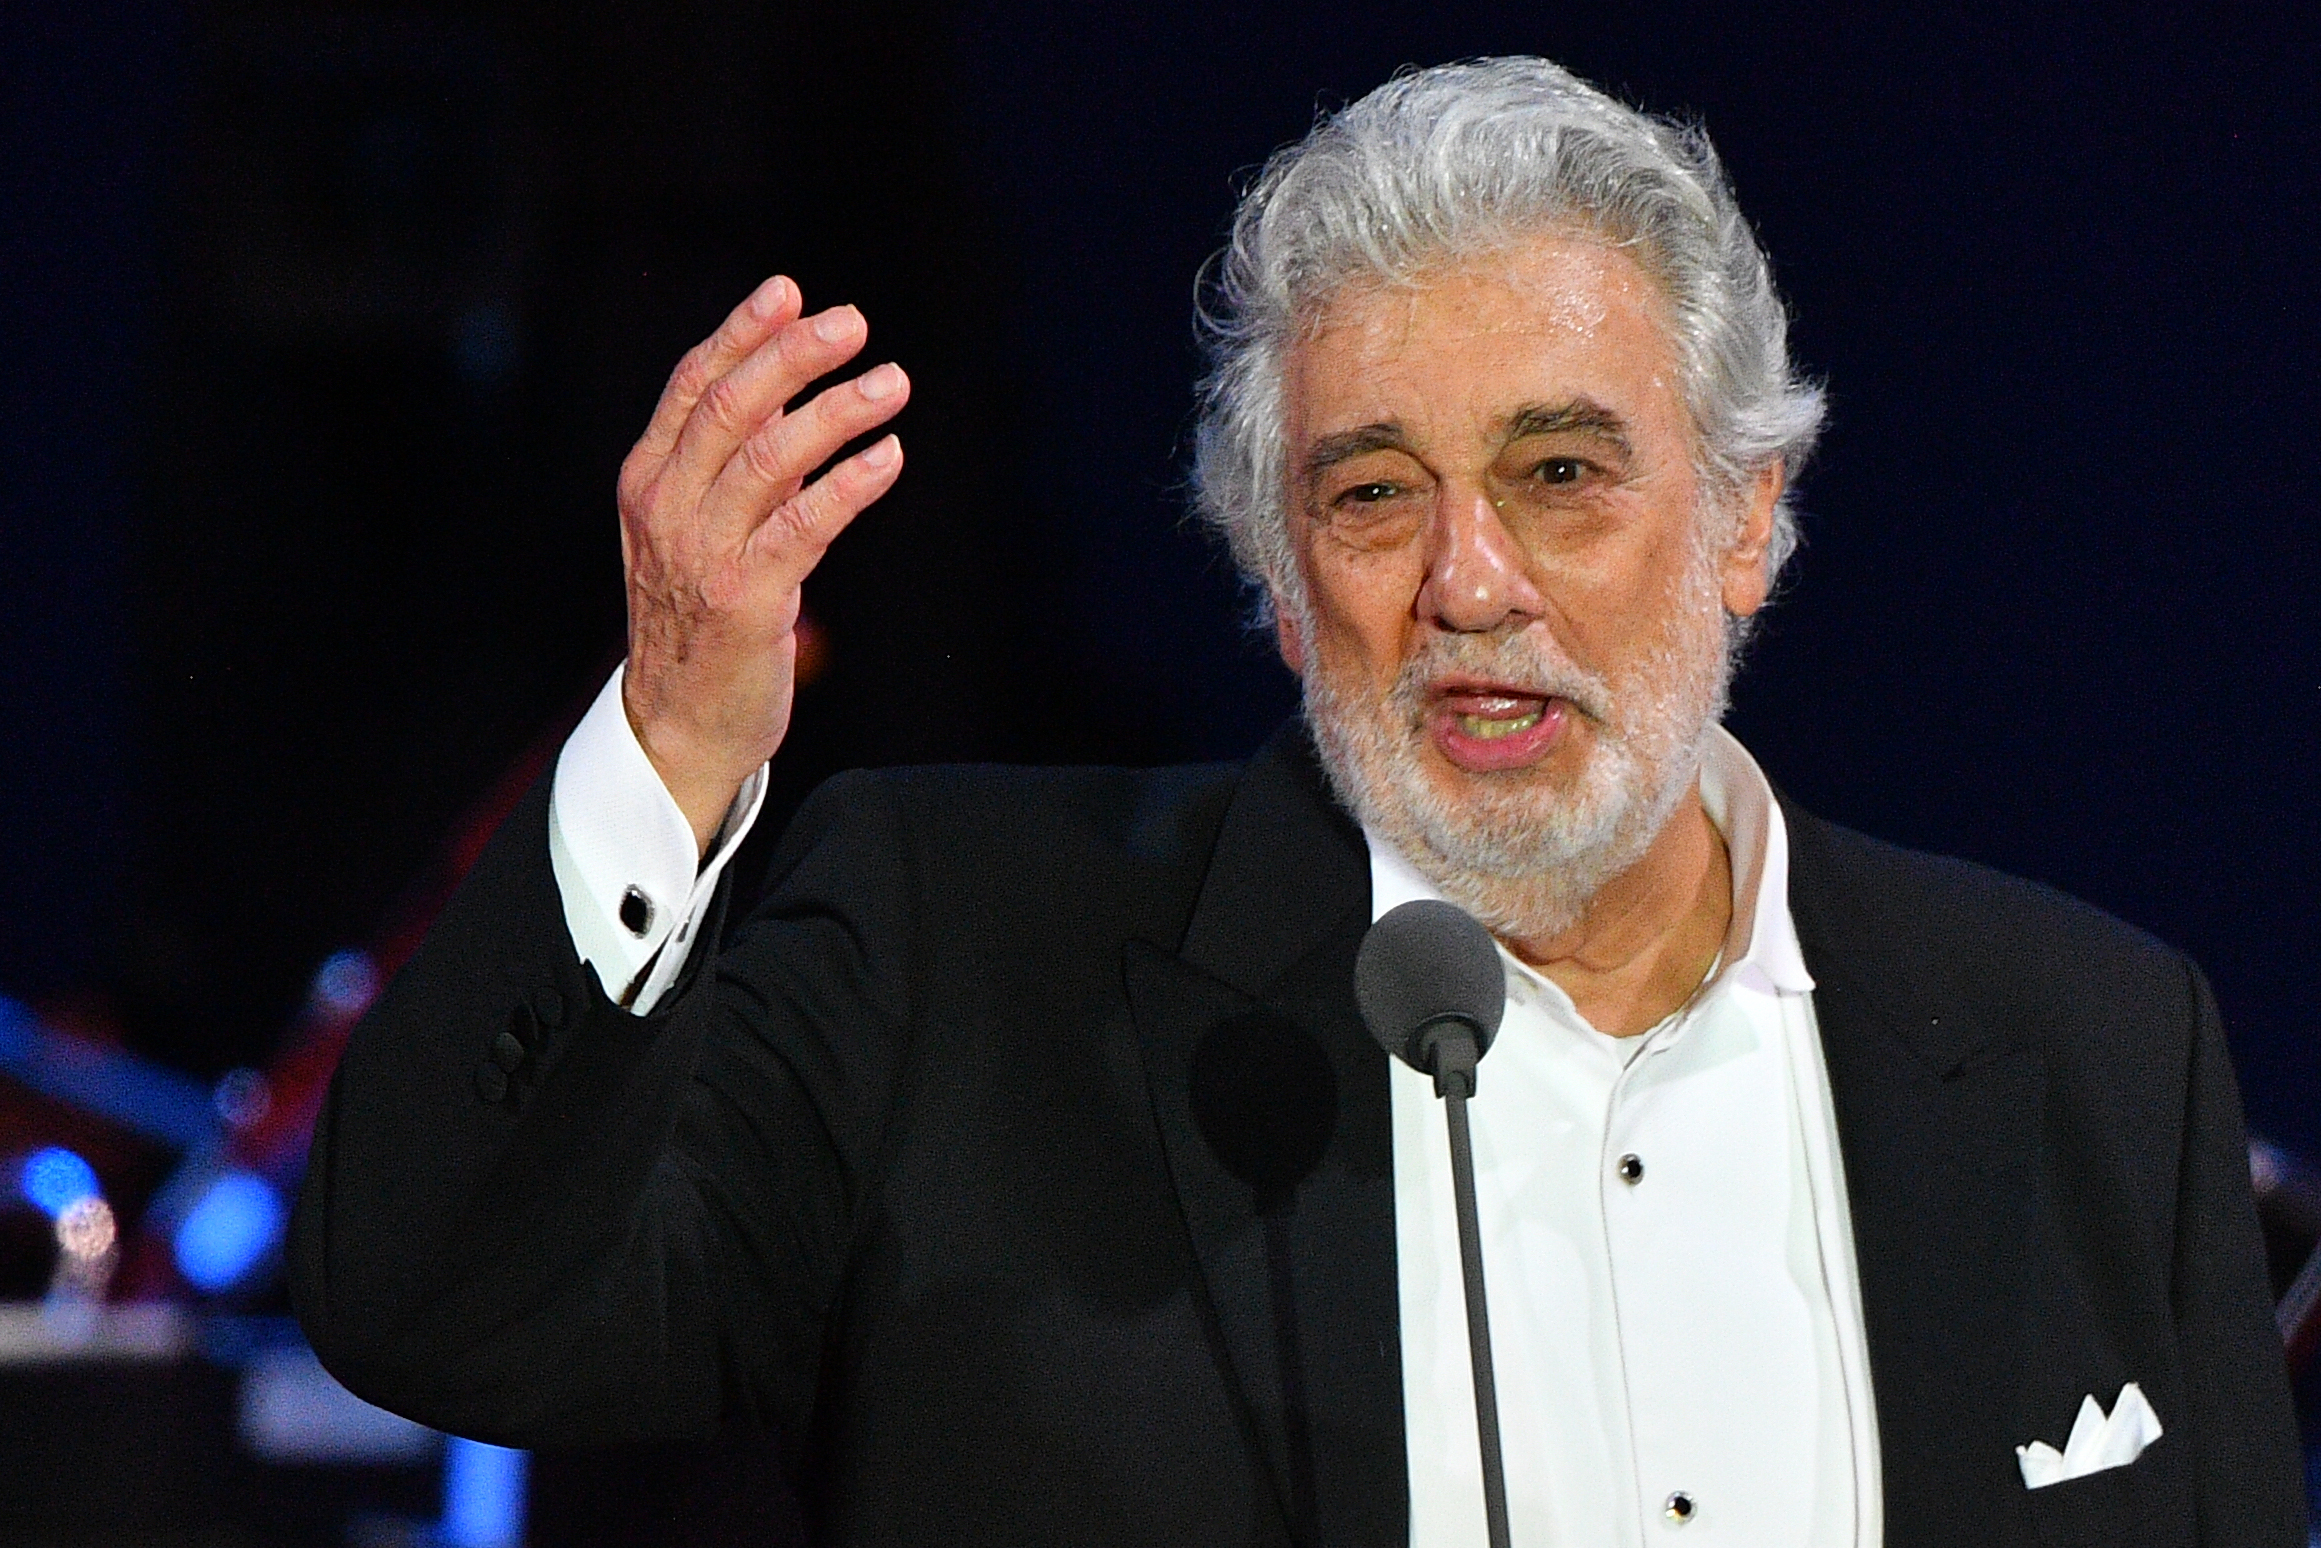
(1432, 992)
(1455, 1057)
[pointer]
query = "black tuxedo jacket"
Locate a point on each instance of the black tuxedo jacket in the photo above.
(1013, 1146)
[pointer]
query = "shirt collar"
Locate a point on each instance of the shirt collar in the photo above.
(1761, 950)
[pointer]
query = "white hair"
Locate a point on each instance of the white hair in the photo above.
(1460, 160)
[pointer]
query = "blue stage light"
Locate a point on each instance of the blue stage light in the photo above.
(228, 1232)
(54, 1180)
(346, 983)
(157, 1103)
(483, 1495)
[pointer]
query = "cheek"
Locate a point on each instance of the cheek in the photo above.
(1361, 604)
(1617, 602)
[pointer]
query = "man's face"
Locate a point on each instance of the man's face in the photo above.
(1515, 633)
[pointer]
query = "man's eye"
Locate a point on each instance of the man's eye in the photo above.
(1560, 470)
(1370, 493)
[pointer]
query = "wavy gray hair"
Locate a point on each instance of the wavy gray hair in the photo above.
(1458, 160)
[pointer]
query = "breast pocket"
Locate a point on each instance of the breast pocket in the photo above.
(2146, 1504)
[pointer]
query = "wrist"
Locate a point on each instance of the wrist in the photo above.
(703, 776)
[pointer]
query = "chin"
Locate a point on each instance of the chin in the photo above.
(1526, 850)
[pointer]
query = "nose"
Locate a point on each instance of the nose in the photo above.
(1476, 578)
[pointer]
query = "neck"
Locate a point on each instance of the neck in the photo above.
(1649, 936)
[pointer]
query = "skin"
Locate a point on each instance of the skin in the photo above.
(720, 527)
(1503, 446)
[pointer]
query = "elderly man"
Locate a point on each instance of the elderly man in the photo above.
(1010, 1141)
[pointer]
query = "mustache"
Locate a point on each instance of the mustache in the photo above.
(1523, 662)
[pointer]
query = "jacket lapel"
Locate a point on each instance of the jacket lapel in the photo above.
(1272, 1106)
(1938, 1124)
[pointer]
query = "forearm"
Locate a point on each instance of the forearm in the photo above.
(656, 1210)
(497, 1250)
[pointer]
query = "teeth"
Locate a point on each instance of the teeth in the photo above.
(1485, 728)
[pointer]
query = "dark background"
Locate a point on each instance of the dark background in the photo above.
(326, 329)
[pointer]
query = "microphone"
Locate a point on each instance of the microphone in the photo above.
(1432, 992)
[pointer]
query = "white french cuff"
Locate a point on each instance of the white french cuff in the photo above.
(2097, 1442)
(624, 858)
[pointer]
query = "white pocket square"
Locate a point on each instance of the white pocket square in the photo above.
(2096, 1442)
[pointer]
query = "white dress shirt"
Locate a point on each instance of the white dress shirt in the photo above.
(1697, 1331)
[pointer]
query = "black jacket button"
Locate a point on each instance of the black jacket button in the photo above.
(491, 1082)
(508, 1051)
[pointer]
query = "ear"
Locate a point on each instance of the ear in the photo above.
(1747, 580)
(1285, 635)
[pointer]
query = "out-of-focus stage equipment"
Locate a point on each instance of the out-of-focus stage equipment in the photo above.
(150, 1378)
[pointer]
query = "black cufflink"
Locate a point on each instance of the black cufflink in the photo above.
(636, 912)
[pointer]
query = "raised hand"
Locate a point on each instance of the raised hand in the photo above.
(719, 527)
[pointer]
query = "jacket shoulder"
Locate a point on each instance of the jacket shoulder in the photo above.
(1979, 933)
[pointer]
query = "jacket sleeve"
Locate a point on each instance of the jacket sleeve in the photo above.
(2243, 1429)
(533, 1218)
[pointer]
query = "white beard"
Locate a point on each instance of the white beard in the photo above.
(1525, 854)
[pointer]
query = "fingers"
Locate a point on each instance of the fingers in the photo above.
(771, 306)
(769, 465)
(801, 527)
(753, 392)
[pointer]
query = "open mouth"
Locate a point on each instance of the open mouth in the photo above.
(1488, 727)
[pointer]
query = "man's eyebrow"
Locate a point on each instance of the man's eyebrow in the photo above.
(1532, 419)
(1579, 414)
(1344, 445)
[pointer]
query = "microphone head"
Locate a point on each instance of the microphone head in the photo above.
(1422, 964)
